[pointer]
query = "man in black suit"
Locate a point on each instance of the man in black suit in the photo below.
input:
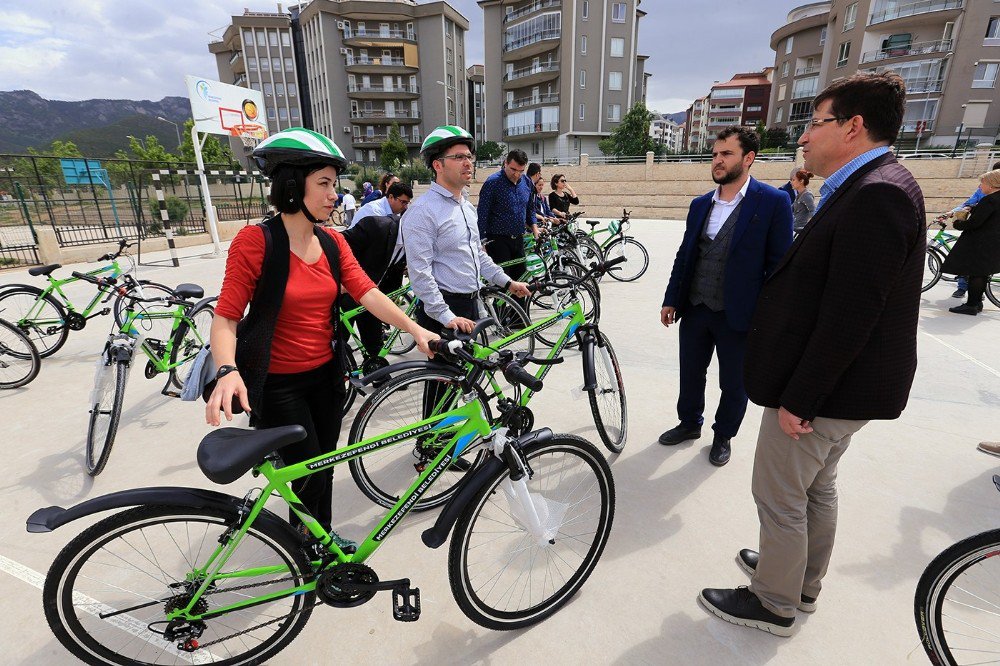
(832, 344)
(734, 238)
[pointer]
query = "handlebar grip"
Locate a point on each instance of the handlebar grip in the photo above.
(516, 374)
(444, 346)
(611, 263)
(92, 279)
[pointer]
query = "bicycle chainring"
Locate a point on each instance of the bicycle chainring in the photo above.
(75, 321)
(333, 586)
(370, 365)
(150, 370)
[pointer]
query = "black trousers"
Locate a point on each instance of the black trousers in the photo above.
(977, 287)
(462, 307)
(314, 400)
(703, 331)
(506, 248)
(369, 328)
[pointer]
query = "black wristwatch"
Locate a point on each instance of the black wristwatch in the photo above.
(507, 286)
(225, 370)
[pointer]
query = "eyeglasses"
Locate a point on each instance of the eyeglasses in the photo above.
(819, 122)
(562, 180)
(462, 157)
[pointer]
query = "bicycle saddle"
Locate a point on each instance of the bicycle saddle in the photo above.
(188, 290)
(593, 223)
(43, 270)
(226, 454)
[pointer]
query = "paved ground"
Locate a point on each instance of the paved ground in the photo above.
(908, 489)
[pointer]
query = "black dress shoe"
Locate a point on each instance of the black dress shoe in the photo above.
(742, 607)
(748, 559)
(681, 433)
(966, 309)
(721, 450)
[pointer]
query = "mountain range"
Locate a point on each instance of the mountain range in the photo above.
(98, 127)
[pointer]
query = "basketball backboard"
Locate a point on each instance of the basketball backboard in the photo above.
(219, 108)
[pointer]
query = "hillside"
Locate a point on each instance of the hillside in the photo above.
(98, 126)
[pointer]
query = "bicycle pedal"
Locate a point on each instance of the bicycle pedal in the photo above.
(406, 604)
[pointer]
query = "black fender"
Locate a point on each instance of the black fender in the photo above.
(588, 337)
(203, 302)
(53, 517)
(437, 534)
(360, 383)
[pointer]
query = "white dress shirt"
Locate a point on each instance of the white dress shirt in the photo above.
(721, 210)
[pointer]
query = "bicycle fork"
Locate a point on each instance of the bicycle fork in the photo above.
(541, 517)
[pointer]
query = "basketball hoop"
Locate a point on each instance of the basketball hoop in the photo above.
(249, 133)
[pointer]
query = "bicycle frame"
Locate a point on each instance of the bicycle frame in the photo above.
(347, 321)
(55, 286)
(178, 316)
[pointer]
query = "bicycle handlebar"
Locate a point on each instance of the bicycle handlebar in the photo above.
(122, 244)
(99, 281)
(511, 365)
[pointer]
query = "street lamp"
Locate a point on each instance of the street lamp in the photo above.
(176, 129)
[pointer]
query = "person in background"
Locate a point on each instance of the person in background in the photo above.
(803, 204)
(543, 214)
(963, 281)
(789, 188)
(383, 188)
(561, 196)
(350, 204)
(394, 203)
(976, 253)
(504, 215)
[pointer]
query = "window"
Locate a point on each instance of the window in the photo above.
(583, 109)
(291, 90)
(276, 64)
(286, 39)
(252, 63)
(614, 112)
(247, 37)
(261, 38)
(449, 55)
(806, 87)
(288, 64)
(617, 47)
(255, 86)
(583, 44)
(583, 78)
(780, 115)
(295, 113)
(784, 69)
(451, 81)
(822, 36)
(268, 89)
(993, 32)
(781, 92)
(585, 12)
(788, 44)
(270, 113)
(986, 75)
(272, 38)
(843, 54)
(282, 113)
(614, 80)
(618, 12)
(279, 89)
(449, 27)
(850, 16)
(800, 111)
(754, 107)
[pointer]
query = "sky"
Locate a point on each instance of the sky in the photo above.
(141, 49)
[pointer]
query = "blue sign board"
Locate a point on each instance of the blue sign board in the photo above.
(83, 172)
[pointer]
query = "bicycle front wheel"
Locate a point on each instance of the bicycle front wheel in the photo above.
(993, 289)
(510, 318)
(141, 289)
(191, 335)
(134, 567)
(932, 269)
(956, 601)
(403, 341)
(43, 320)
(506, 575)
(19, 359)
(607, 399)
(636, 259)
(543, 305)
(105, 412)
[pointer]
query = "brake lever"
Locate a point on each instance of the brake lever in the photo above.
(542, 361)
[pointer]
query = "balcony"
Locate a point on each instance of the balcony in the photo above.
(916, 9)
(913, 125)
(522, 102)
(383, 92)
(238, 63)
(527, 76)
(365, 37)
(399, 116)
(802, 71)
(538, 5)
(241, 80)
(917, 48)
(376, 140)
(799, 117)
(525, 47)
(931, 84)
(383, 64)
(535, 130)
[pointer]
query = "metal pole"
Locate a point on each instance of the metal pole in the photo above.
(213, 224)
(24, 207)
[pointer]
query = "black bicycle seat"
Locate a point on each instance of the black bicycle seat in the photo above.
(593, 223)
(226, 454)
(188, 290)
(43, 270)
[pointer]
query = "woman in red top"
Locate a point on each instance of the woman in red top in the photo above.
(291, 375)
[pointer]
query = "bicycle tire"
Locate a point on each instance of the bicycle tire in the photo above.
(105, 408)
(541, 306)
(607, 400)
(566, 263)
(189, 345)
(80, 582)
(932, 268)
(404, 342)
(46, 328)
(483, 591)
(350, 370)
(945, 609)
(635, 254)
(121, 302)
(383, 476)
(19, 358)
(509, 317)
(593, 253)
(993, 289)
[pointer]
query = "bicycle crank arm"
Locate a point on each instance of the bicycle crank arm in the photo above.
(405, 599)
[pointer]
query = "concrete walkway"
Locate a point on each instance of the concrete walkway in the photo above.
(908, 488)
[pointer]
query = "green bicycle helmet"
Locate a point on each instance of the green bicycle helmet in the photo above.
(297, 146)
(444, 136)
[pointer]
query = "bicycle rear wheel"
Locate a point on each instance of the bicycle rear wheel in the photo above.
(932, 269)
(143, 563)
(19, 359)
(993, 289)
(503, 575)
(142, 289)
(510, 318)
(956, 601)
(191, 335)
(636, 259)
(404, 342)
(105, 411)
(43, 320)
(607, 399)
(542, 305)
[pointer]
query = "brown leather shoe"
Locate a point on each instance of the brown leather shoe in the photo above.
(992, 448)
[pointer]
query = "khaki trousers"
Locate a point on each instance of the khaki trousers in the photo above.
(795, 489)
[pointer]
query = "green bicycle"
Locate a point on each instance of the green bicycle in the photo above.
(938, 248)
(194, 575)
(47, 315)
(618, 244)
(406, 397)
(186, 327)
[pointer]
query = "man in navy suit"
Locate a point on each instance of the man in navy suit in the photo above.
(735, 237)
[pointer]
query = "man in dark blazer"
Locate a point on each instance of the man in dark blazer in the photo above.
(832, 344)
(734, 238)
(787, 187)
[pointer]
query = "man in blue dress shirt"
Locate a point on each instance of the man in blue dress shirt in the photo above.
(504, 214)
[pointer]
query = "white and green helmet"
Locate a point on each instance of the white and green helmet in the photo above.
(297, 146)
(444, 136)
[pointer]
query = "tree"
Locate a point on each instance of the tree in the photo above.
(394, 151)
(213, 152)
(774, 137)
(489, 151)
(631, 137)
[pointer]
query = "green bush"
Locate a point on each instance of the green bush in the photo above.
(177, 210)
(416, 170)
(365, 174)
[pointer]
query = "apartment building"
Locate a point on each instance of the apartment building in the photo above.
(667, 133)
(742, 100)
(696, 138)
(560, 74)
(947, 51)
(475, 77)
(361, 66)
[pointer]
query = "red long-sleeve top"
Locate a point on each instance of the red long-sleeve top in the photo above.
(303, 331)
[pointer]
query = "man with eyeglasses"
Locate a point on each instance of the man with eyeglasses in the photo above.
(505, 214)
(832, 344)
(395, 201)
